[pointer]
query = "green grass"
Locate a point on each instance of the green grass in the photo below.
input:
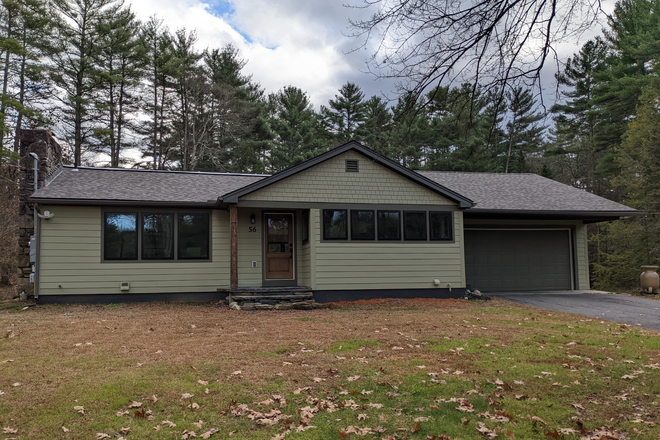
(354, 344)
(519, 363)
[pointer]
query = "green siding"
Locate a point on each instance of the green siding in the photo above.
(249, 248)
(380, 265)
(582, 256)
(70, 256)
(328, 182)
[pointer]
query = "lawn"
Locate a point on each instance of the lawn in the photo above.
(397, 369)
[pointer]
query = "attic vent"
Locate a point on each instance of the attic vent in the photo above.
(352, 166)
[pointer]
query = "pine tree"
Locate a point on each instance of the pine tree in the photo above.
(296, 128)
(377, 126)
(73, 70)
(25, 26)
(573, 154)
(120, 62)
(346, 113)
(523, 135)
(634, 36)
(460, 130)
(157, 94)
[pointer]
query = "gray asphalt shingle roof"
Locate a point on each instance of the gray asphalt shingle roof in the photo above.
(108, 184)
(522, 192)
(491, 192)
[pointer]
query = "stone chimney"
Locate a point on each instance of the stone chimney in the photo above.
(49, 151)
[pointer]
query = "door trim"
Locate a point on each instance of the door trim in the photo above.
(266, 282)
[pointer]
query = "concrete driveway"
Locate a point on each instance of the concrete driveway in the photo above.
(625, 309)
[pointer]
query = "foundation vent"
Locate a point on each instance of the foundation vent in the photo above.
(352, 166)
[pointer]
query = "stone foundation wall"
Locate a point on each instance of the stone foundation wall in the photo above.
(49, 151)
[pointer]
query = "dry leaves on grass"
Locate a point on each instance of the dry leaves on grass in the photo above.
(485, 431)
(8, 430)
(603, 433)
(80, 409)
(209, 433)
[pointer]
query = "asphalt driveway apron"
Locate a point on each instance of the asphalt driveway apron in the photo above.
(632, 310)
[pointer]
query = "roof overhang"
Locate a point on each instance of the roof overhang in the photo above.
(462, 201)
(114, 202)
(516, 214)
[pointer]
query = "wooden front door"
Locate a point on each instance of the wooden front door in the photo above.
(279, 246)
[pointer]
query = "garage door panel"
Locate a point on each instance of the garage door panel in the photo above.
(498, 260)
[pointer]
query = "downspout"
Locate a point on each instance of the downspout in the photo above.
(37, 257)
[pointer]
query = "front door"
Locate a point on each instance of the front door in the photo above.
(279, 246)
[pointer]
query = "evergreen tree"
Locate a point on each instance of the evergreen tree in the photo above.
(573, 154)
(460, 130)
(241, 133)
(346, 113)
(524, 134)
(377, 126)
(634, 36)
(296, 128)
(120, 63)
(157, 94)
(73, 70)
(409, 133)
(26, 37)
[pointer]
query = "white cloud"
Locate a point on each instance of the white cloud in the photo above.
(291, 42)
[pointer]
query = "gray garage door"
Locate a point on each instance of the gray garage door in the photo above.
(510, 260)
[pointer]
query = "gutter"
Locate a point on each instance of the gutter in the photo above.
(100, 202)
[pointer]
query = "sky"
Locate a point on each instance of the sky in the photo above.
(304, 43)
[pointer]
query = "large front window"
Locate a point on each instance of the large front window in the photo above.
(156, 236)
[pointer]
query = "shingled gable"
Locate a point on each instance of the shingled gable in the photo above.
(463, 202)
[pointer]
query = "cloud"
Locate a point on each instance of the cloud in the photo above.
(289, 42)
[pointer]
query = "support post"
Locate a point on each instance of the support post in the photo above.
(233, 247)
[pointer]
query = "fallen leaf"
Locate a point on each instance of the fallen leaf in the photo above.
(65, 429)
(485, 431)
(135, 404)
(353, 378)
(168, 424)
(102, 436)
(421, 419)
(186, 396)
(125, 431)
(416, 428)
(209, 433)
(16, 384)
(465, 421)
(577, 405)
(8, 430)
(362, 416)
(202, 382)
(80, 409)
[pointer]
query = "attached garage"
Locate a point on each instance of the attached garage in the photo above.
(518, 259)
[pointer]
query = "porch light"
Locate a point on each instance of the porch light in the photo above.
(252, 219)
